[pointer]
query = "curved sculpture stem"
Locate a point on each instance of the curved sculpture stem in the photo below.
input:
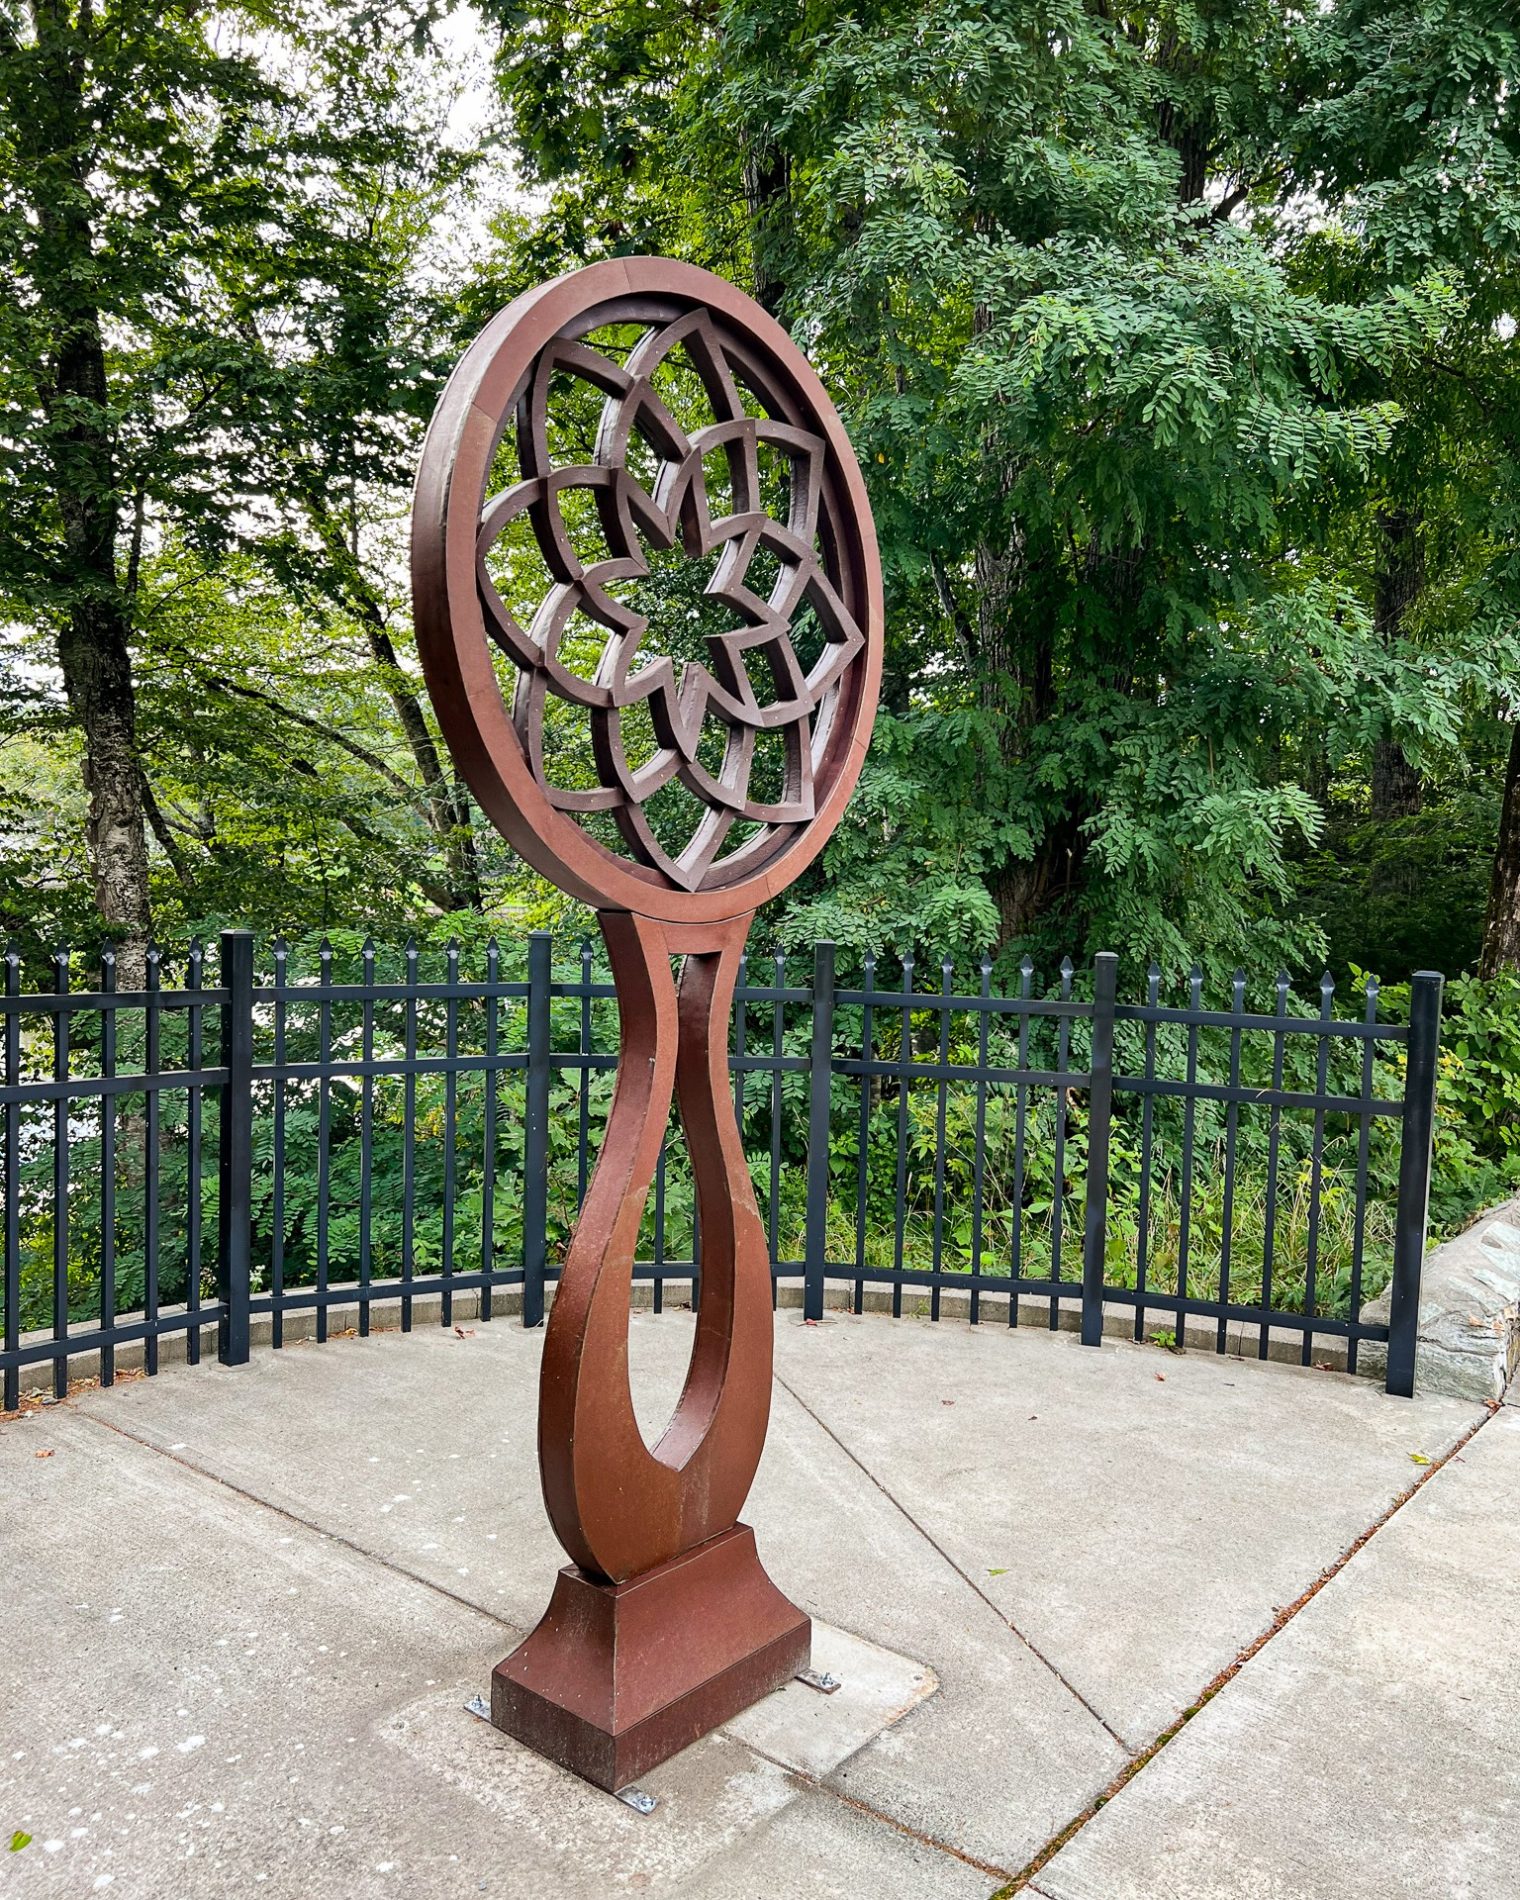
(618, 1507)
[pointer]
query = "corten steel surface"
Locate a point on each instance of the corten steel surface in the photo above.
(664, 1624)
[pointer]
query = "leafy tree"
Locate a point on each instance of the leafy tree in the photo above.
(1111, 428)
(1178, 345)
(1411, 131)
(205, 222)
(280, 788)
(340, 388)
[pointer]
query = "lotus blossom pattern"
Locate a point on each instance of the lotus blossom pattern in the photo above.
(674, 511)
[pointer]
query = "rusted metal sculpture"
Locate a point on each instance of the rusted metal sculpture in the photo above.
(664, 1624)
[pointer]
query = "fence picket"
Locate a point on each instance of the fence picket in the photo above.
(488, 1082)
(1100, 1108)
(1414, 1178)
(234, 1200)
(108, 1166)
(61, 1146)
(1016, 1250)
(366, 1135)
(12, 1158)
(536, 1128)
(1231, 1127)
(152, 1062)
(1363, 1157)
(820, 1079)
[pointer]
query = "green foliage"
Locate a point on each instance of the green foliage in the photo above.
(1477, 1143)
(246, 216)
(1408, 892)
(1129, 413)
(1159, 331)
(204, 170)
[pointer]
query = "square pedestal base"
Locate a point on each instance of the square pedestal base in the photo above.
(620, 1676)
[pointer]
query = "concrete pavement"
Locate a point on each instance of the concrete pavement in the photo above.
(1370, 1750)
(246, 1608)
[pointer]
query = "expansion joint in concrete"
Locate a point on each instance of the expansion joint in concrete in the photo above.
(824, 1786)
(304, 1523)
(944, 1556)
(1022, 1882)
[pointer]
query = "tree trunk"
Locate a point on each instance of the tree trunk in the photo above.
(94, 650)
(1025, 890)
(97, 678)
(1189, 138)
(1501, 928)
(1396, 788)
(767, 190)
(1015, 680)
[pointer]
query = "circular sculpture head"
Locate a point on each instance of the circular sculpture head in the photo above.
(647, 593)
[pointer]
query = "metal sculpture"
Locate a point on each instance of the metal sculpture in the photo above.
(713, 441)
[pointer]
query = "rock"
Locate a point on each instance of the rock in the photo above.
(1469, 1338)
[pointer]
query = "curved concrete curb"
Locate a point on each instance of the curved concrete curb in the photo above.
(1469, 1341)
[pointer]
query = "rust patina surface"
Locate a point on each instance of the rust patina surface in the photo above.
(636, 409)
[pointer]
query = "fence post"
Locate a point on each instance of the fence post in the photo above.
(234, 1199)
(536, 1129)
(820, 1076)
(1100, 1109)
(1414, 1179)
(11, 1397)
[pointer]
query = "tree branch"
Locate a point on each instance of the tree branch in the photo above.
(159, 826)
(351, 746)
(954, 612)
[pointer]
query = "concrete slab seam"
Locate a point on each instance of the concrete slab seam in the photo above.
(877, 1814)
(1022, 1882)
(302, 1523)
(945, 1557)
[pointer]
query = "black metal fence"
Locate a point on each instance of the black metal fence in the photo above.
(360, 1130)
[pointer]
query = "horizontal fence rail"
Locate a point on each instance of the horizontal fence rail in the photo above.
(335, 1133)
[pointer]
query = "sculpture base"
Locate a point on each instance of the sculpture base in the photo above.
(618, 1677)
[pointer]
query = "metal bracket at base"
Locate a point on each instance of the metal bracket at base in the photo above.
(477, 1705)
(820, 1680)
